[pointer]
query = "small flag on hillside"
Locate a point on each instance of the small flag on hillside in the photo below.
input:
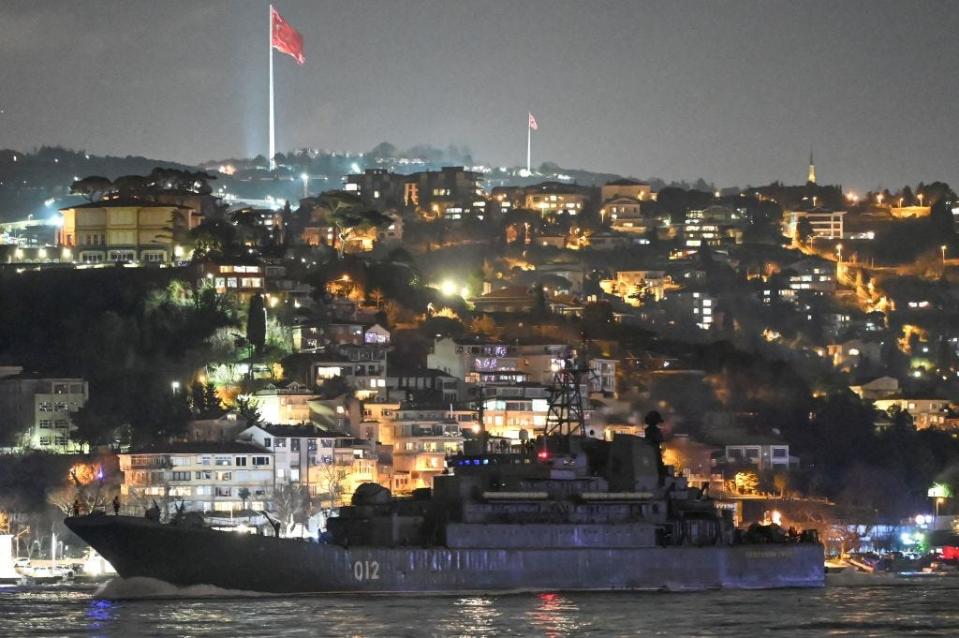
(286, 39)
(532, 123)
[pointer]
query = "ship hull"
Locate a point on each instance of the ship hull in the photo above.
(184, 556)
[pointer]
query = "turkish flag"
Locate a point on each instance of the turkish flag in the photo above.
(286, 39)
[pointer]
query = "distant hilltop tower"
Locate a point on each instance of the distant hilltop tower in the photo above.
(811, 179)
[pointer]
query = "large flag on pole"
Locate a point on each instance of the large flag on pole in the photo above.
(532, 123)
(286, 39)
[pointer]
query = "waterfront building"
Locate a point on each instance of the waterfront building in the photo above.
(201, 476)
(295, 448)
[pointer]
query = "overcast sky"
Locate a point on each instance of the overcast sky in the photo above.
(736, 92)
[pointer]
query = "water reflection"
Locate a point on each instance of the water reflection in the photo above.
(555, 616)
(478, 616)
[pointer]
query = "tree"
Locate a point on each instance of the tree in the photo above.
(540, 303)
(383, 150)
(484, 325)
(804, 231)
(205, 401)
(131, 185)
(256, 324)
(97, 421)
(348, 220)
(248, 407)
(331, 478)
(92, 188)
(291, 502)
(746, 482)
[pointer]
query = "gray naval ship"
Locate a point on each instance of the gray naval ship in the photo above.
(570, 513)
(564, 512)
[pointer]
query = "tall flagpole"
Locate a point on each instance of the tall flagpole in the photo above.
(272, 122)
(529, 142)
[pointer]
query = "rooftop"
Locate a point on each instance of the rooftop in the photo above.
(201, 447)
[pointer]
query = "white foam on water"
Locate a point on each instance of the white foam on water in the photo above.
(142, 588)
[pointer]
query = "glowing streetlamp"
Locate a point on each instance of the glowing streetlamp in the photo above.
(306, 180)
(920, 196)
(879, 199)
(175, 387)
(900, 201)
(943, 249)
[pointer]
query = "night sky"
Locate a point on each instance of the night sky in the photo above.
(735, 92)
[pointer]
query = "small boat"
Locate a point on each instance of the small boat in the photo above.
(46, 575)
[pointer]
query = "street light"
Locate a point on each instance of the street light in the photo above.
(175, 386)
(943, 249)
(900, 201)
(920, 196)
(306, 179)
(879, 199)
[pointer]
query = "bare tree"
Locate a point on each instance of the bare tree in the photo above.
(291, 502)
(331, 478)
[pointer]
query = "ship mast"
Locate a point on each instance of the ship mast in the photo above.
(565, 416)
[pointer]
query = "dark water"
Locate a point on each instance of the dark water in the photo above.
(917, 609)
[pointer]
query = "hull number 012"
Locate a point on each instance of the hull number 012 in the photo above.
(366, 570)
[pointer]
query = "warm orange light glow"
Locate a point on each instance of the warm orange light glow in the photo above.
(85, 473)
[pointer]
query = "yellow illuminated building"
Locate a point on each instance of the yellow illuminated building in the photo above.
(125, 231)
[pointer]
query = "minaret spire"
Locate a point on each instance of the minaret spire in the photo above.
(812, 169)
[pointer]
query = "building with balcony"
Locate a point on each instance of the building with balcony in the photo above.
(554, 198)
(420, 448)
(295, 448)
(202, 476)
(452, 192)
(811, 275)
(825, 224)
(284, 405)
(129, 231)
(363, 367)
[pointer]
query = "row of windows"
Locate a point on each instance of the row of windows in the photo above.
(59, 424)
(57, 406)
(46, 441)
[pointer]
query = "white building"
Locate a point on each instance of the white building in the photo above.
(826, 224)
(36, 412)
(203, 476)
(284, 405)
(295, 448)
(764, 457)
